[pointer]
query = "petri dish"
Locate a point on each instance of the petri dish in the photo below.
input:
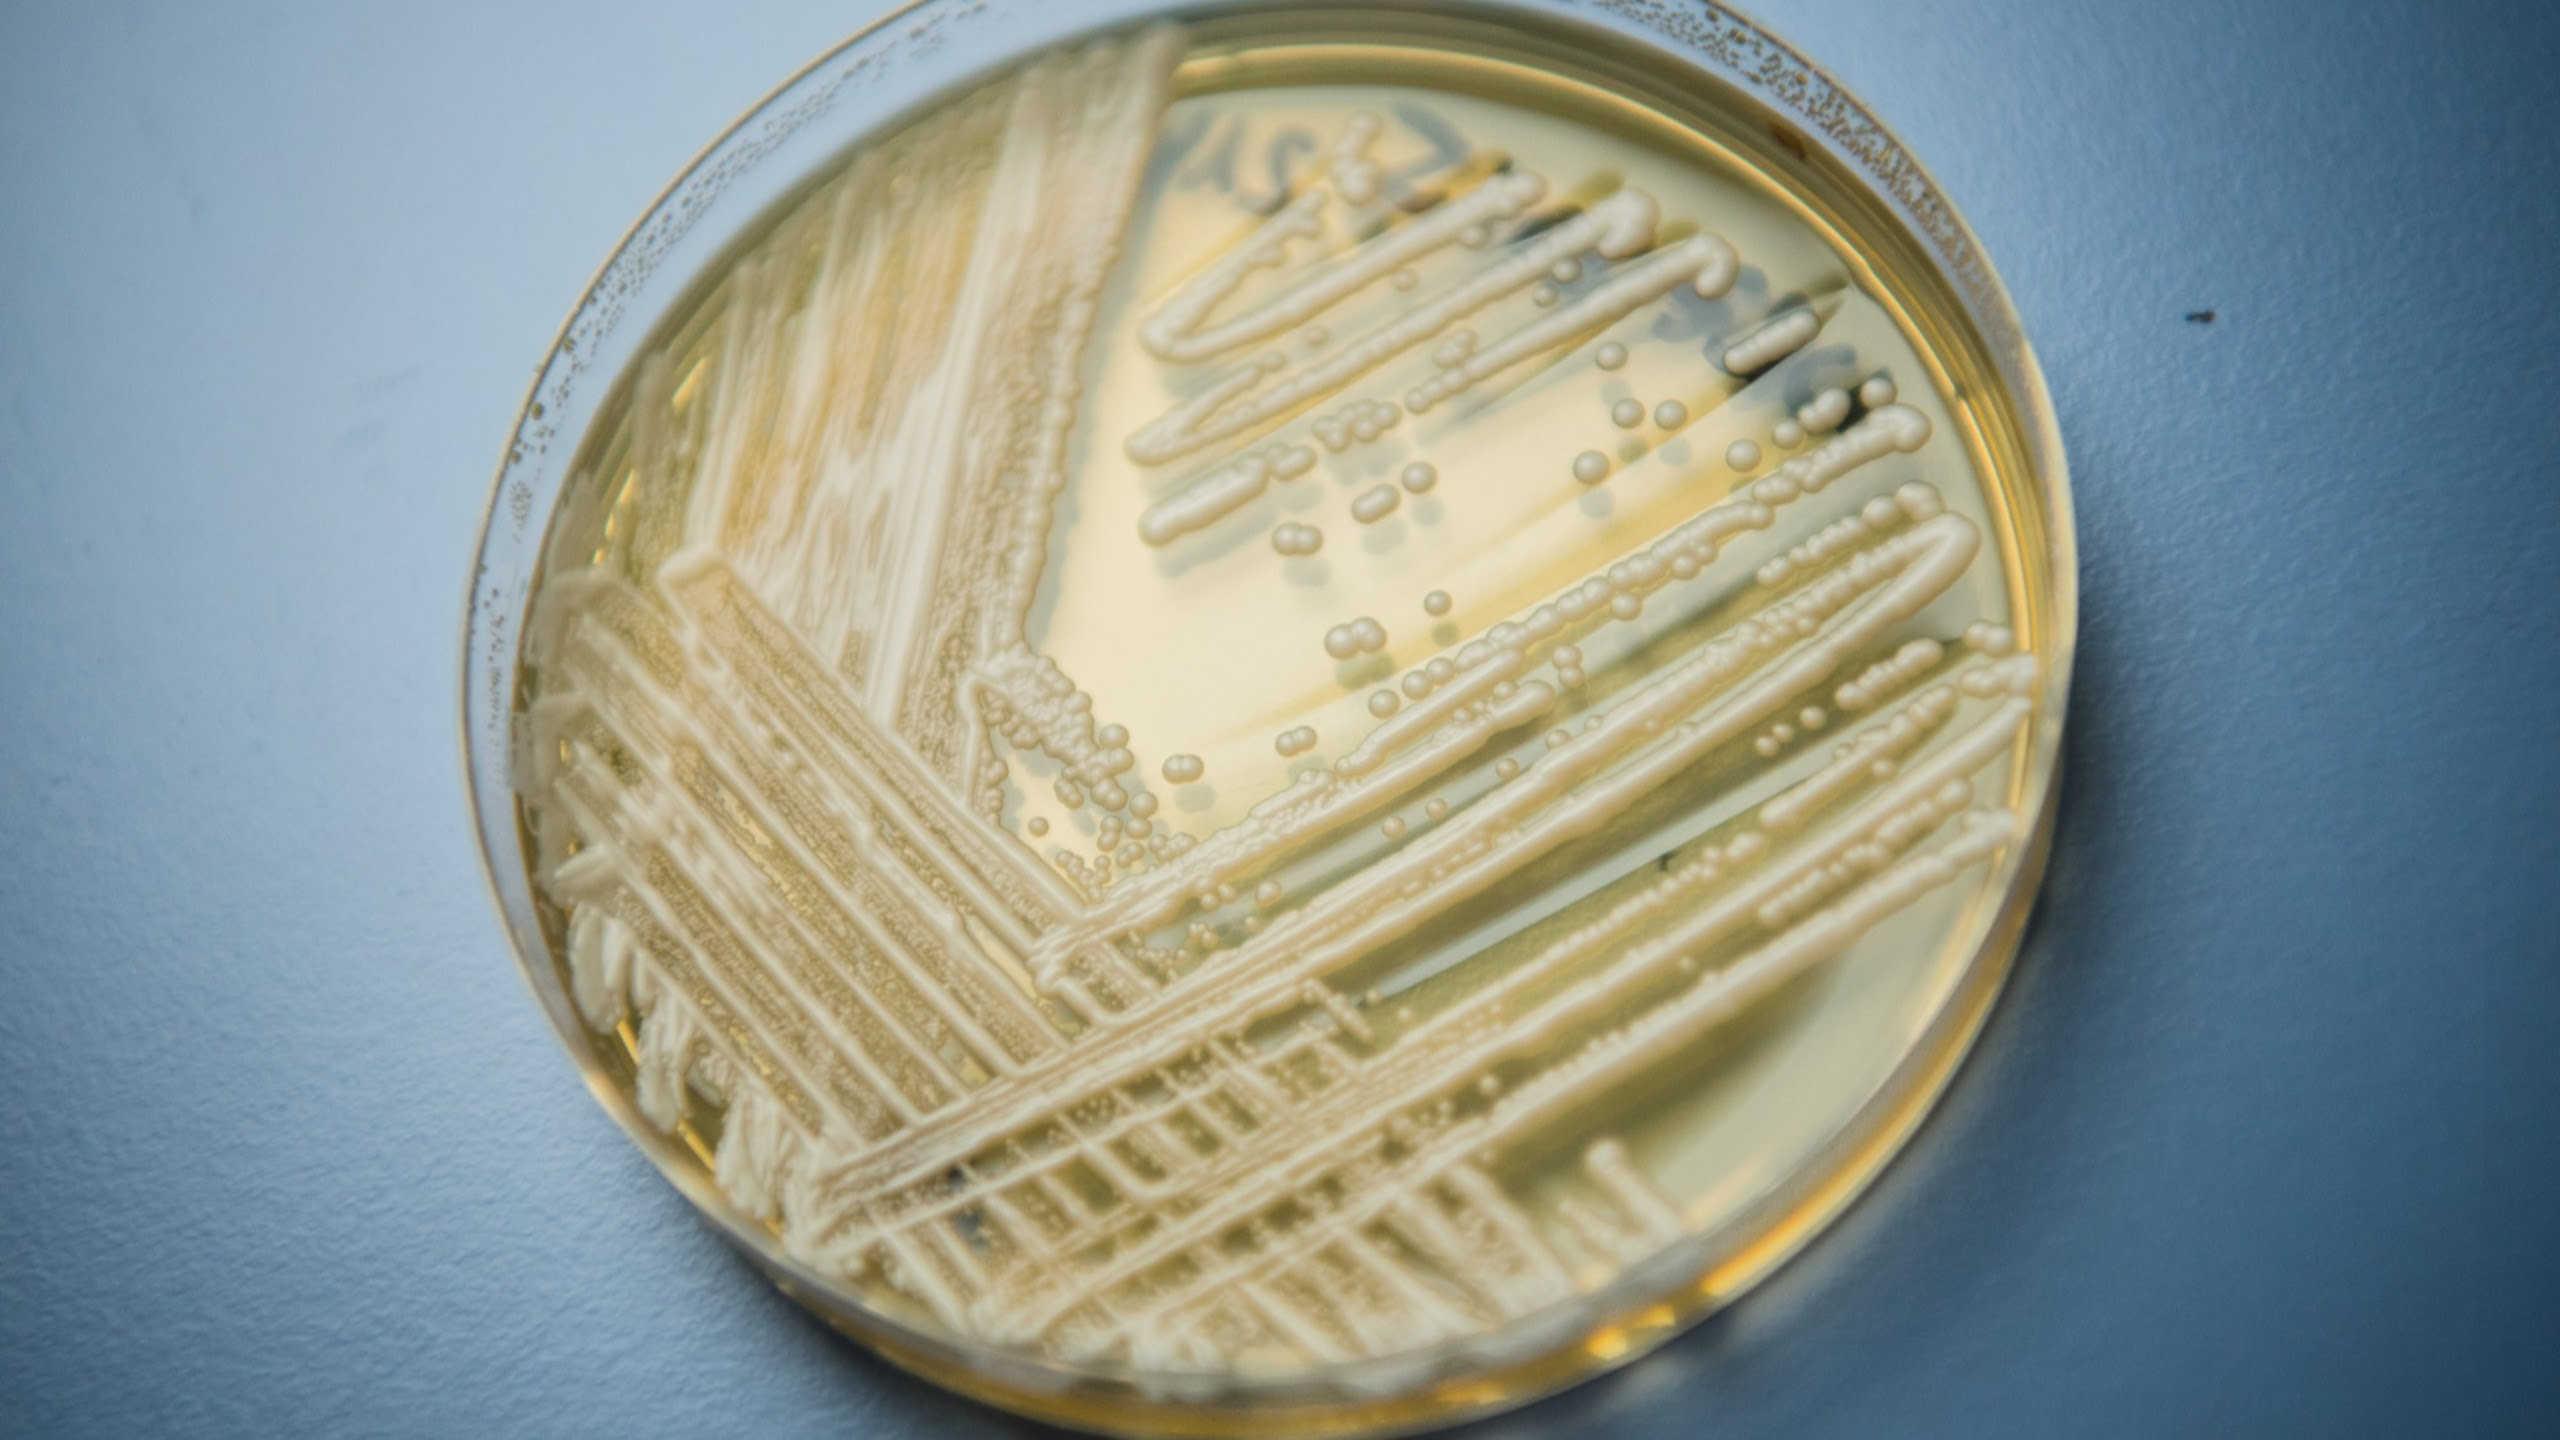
(1277, 719)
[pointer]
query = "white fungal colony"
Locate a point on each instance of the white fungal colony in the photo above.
(1774, 341)
(864, 630)
(1376, 503)
(1291, 538)
(1364, 636)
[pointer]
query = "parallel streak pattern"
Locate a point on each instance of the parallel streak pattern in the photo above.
(1195, 1100)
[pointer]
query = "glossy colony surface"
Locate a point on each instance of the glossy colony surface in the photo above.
(1224, 712)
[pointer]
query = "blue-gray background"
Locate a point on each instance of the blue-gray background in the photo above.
(2261, 1141)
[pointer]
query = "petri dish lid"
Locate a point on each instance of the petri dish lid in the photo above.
(1277, 718)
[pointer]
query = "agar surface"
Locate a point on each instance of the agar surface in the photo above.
(852, 843)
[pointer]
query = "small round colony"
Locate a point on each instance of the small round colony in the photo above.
(1376, 503)
(1292, 538)
(1354, 638)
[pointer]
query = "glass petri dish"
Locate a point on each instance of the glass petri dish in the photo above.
(1273, 718)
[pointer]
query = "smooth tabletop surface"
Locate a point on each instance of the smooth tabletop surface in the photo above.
(2261, 1141)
